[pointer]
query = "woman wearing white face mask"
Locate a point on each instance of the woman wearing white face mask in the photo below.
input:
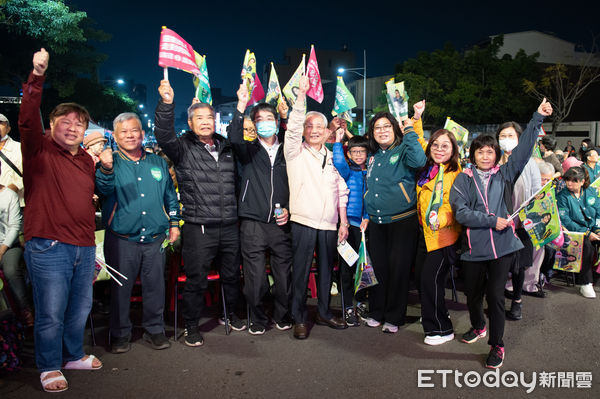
(526, 185)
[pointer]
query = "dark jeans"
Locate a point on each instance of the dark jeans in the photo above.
(304, 241)
(392, 249)
(487, 277)
(202, 244)
(433, 288)
(257, 238)
(133, 258)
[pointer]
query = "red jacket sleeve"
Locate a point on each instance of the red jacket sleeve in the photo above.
(30, 120)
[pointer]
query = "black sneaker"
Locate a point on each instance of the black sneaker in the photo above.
(235, 322)
(473, 335)
(283, 325)
(361, 310)
(120, 344)
(515, 311)
(351, 318)
(495, 358)
(193, 337)
(157, 341)
(256, 329)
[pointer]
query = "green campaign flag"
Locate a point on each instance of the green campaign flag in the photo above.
(397, 99)
(540, 216)
(290, 90)
(365, 275)
(344, 101)
(460, 133)
(273, 89)
(568, 257)
(201, 82)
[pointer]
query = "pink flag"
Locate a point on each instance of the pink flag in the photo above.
(312, 71)
(174, 52)
(258, 93)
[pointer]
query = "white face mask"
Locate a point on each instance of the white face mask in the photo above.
(507, 145)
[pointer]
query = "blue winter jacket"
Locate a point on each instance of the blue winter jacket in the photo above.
(356, 179)
(477, 208)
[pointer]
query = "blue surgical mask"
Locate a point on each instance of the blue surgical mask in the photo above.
(266, 128)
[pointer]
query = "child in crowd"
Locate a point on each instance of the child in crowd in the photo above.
(354, 173)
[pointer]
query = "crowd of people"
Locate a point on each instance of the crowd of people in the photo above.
(272, 194)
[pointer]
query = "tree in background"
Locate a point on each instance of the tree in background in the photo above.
(562, 85)
(474, 86)
(28, 25)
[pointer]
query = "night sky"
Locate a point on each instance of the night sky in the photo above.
(223, 30)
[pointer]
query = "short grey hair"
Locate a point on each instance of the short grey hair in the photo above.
(125, 116)
(315, 113)
(196, 106)
(546, 168)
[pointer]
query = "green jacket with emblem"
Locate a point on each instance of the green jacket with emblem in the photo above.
(391, 182)
(139, 200)
(579, 214)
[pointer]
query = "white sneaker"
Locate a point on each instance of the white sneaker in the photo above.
(389, 328)
(369, 322)
(587, 290)
(434, 340)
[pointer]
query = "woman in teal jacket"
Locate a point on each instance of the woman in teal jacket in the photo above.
(391, 202)
(579, 209)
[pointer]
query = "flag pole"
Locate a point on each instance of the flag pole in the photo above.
(304, 64)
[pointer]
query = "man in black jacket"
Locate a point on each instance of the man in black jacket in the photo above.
(264, 185)
(205, 168)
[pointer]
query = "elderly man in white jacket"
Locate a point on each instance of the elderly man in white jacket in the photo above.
(318, 198)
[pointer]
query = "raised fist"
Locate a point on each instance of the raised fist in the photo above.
(166, 92)
(40, 62)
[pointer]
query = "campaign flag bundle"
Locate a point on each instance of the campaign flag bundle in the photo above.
(568, 257)
(201, 82)
(174, 52)
(397, 99)
(460, 133)
(273, 89)
(365, 275)
(314, 77)
(540, 216)
(290, 90)
(344, 100)
(255, 89)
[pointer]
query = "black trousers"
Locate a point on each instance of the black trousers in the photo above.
(133, 258)
(256, 238)
(585, 276)
(354, 237)
(487, 277)
(203, 244)
(304, 241)
(392, 249)
(434, 274)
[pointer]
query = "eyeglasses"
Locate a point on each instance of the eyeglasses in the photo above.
(316, 127)
(357, 152)
(443, 147)
(381, 128)
(249, 129)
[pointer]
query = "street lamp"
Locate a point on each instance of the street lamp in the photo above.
(141, 106)
(364, 76)
(120, 82)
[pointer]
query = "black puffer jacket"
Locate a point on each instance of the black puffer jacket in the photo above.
(206, 187)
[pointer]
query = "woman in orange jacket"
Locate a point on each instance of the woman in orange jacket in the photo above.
(440, 231)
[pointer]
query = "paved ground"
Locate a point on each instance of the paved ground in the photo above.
(557, 334)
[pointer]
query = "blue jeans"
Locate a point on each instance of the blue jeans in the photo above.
(61, 275)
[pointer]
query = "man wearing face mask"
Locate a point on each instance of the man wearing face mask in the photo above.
(264, 185)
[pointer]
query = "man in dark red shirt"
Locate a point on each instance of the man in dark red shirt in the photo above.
(59, 229)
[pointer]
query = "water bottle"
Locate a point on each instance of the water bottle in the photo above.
(278, 211)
